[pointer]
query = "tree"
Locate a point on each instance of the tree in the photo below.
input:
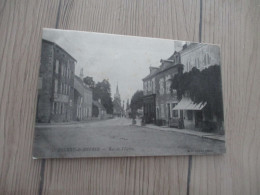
(202, 86)
(89, 81)
(102, 91)
(136, 102)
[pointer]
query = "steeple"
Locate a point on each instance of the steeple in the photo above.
(117, 95)
(117, 91)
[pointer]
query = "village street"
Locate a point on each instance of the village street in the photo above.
(117, 137)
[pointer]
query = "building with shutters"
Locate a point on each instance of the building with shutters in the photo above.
(158, 100)
(161, 105)
(55, 85)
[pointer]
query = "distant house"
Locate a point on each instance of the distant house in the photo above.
(82, 100)
(55, 85)
(99, 110)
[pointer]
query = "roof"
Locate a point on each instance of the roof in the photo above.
(82, 83)
(188, 104)
(163, 68)
(99, 105)
(160, 70)
(59, 47)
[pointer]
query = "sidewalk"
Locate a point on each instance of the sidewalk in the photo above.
(68, 123)
(184, 131)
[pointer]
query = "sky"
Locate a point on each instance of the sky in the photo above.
(120, 59)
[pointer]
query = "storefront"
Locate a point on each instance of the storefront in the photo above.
(190, 113)
(149, 108)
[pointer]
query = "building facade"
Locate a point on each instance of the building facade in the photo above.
(199, 55)
(83, 96)
(160, 103)
(158, 100)
(55, 85)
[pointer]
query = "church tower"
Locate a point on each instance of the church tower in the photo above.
(117, 94)
(117, 107)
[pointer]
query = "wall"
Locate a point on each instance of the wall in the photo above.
(62, 111)
(45, 93)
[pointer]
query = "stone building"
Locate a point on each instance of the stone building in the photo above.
(55, 85)
(160, 104)
(158, 101)
(200, 56)
(83, 96)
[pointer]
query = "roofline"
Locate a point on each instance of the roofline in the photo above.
(84, 85)
(174, 66)
(45, 40)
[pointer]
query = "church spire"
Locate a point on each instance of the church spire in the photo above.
(117, 91)
(117, 94)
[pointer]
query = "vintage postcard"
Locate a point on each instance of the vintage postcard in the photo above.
(105, 95)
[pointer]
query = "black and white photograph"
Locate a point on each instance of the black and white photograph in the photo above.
(107, 95)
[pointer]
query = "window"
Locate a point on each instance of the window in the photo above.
(55, 108)
(168, 113)
(145, 88)
(190, 115)
(61, 108)
(61, 70)
(153, 85)
(174, 112)
(61, 88)
(56, 86)
(161, 82)
(168, 84)
(162, 111)
(57, 66)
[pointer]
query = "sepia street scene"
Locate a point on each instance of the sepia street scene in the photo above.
(103, 95)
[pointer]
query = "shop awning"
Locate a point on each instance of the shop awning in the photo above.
(188, 104)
